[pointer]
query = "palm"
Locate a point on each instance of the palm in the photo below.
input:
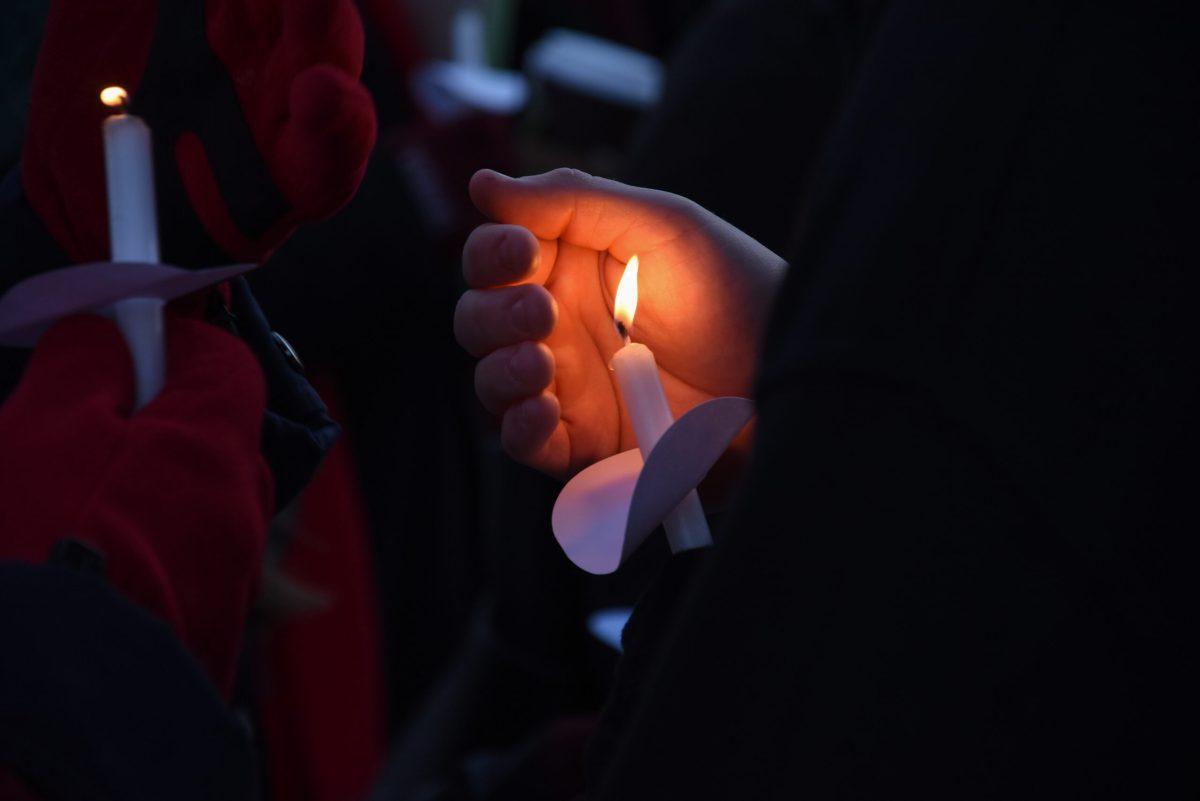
(681, 316)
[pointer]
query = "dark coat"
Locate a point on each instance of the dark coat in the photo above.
(99, 700)
(963, 562)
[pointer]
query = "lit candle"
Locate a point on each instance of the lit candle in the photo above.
(133, 233)
(646, 403)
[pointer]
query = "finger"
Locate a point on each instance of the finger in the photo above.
(496, 255)
(487, 319)
(527, 426)
(513, 373)
(591, 212)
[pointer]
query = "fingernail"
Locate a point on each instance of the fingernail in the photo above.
(520, 421)
(522, 365)
(512, 254)
(523, 316)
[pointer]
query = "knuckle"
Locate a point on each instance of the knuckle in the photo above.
(549, 364)
(469, 245)
(476, 240)
(569, 175)
(465, 324)
(483, 385)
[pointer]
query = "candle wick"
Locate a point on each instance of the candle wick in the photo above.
(622, 330)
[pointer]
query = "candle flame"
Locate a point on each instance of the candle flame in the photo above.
(625, 304)
(114, 96)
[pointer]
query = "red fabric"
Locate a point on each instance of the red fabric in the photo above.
(295, 66)
(176, 497)
(322, 710)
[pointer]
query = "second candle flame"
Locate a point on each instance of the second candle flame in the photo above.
(114, 97)
(625, 304)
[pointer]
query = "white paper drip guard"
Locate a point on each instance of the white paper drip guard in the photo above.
(36, 303)
(606, 511)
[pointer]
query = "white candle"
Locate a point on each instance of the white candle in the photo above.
(650, 415)
(133, 233)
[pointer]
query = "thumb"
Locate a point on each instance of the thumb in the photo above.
(324, 147)
(581, 209)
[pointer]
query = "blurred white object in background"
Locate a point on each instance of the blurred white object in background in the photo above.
(607, 625)
(596, 67)
(469, 33)
(447, 90)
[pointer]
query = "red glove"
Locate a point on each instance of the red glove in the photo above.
(176, 498)
(259, 120)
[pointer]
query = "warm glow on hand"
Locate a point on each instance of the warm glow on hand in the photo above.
(625, 305)
(569, 253)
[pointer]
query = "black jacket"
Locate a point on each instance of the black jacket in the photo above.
(963, 562)
(99, 700)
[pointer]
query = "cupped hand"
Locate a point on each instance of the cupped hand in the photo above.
(539, 313)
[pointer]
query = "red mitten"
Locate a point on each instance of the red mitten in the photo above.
(176, 498)
(259, 120)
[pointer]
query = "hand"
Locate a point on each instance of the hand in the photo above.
(176, 497)
(539, 311)
(259, 120)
